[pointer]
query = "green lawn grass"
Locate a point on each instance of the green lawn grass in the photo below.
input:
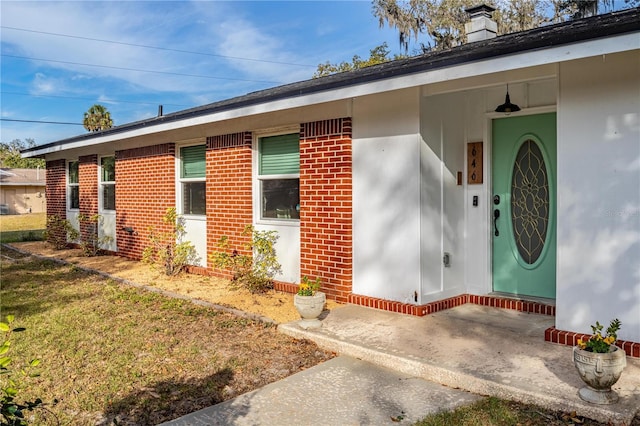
(497, 412)
(22, 227)
(112, 354)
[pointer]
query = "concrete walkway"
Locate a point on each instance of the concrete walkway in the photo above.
(392, 368)
(342, 391)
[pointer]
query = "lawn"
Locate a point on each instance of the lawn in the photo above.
(22, 227)
(112, 354)
(496, 412)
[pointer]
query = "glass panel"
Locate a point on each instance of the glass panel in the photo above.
(108, 196)
(108, 169)
(73, 172)
(194, 196)
(74, 197)
(281, 198)
(280, 155)
(530, 201)
(193, 161)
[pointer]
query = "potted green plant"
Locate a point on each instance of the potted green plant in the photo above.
(309, 302)
(600, 363)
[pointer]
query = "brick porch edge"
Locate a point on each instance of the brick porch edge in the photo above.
(570, 338)
(452, 302)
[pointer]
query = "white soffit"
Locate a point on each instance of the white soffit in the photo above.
(604, 46)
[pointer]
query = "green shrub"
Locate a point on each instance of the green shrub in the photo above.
(12, 411)
(59, 231)
(167, 251)
(253, 271)
(90, 243)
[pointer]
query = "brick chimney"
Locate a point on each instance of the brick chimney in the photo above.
(481, 26)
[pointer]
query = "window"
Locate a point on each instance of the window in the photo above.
(73, 185)
(108, 182)
(192, 179)
(279, 177)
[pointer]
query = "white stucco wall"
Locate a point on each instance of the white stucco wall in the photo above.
(442, 204)
(599, 194)
(107, 228)
(195, 231)
(449, 221)
(408, 208)
(287, 248)
(386, 196)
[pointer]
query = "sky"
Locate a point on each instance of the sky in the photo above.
(60, 58)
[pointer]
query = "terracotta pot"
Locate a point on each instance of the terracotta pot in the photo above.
(599, 371)
(310, 308)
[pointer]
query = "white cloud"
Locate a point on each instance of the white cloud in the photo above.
(238, 36)
(103, 99)
(126, 22)
(43, 85)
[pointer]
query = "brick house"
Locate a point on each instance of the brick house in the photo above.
(410, 186)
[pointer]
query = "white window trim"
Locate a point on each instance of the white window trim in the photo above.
(101, 183)
(180, 180)
(69, 185)
(257, 179)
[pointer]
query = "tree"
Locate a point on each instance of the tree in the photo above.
(521, 15)
(443, 20)
(576, 9)
(10, 155)
(97, 118)
(377, 55)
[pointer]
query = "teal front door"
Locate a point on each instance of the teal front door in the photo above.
(524, 205)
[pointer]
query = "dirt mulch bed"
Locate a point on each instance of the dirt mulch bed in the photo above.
(274, 305)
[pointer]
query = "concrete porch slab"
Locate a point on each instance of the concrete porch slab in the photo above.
(484, 350)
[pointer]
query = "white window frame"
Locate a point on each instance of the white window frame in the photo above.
(180, 180)
(72, 185)
(258, 178)
(102, 184)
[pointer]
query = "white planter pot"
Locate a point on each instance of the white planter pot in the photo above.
(599, 372)
(310, 308)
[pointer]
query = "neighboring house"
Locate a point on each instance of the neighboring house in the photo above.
(398, 184)
(22, 191)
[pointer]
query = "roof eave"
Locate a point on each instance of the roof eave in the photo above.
(603, 26)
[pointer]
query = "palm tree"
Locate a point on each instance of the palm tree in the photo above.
(97, 118)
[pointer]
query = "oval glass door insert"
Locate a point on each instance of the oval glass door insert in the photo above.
(530, 202)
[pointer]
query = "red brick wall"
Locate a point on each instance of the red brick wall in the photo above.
(88, 179)
(56, 189)
(229, 184)
(326, 205)
(145, 189)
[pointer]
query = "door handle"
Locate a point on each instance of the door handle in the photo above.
(496, 215)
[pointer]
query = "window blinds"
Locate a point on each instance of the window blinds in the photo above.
(280, 155)
(193, 161)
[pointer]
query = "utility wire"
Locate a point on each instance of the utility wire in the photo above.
(41, 122)
(138, 70)
(92, 99)
(156, 47)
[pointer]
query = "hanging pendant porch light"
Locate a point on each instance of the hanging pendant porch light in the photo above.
(507, 107)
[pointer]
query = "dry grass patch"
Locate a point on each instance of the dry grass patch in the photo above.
(492, 411)
(112, 354)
